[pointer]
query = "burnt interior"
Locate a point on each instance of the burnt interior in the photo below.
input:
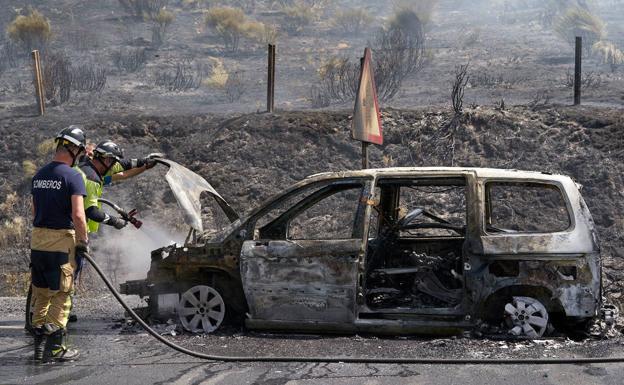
(414, 257)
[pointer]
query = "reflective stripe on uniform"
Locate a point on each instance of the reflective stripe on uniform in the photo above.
(94, 191)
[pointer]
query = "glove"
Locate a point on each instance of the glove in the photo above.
(118, 223)
(150, 160)
(81, 249)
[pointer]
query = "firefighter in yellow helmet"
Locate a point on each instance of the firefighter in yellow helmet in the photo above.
(102, 168)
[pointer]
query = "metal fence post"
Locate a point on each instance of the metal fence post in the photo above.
(38, 82)
(271, 79)
(577, 70)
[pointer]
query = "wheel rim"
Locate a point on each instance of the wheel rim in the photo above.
(526, 317)
(201, 309)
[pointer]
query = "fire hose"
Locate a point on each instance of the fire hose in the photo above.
(355, 360)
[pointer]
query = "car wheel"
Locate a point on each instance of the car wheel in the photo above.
(526, 317)
(201, 309)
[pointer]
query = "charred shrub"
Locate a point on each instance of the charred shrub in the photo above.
(30, 31)
(161, 23)
(182, 79)
(458, 87)
(339, 79)
(57, 78)
(352, 21)
(130, 60)
(147, 9)
(88, 77)
(319, 97)
(10, 55)
(297, 17)
(398, 52)
(231, 25)
(589, 80)
(235, 86)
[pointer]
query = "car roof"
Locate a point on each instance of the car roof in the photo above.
(479, 172)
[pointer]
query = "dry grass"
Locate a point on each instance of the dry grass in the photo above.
(218, 76)
(608, 53)
(16, 283)
(578, 21)
(29, 168)
(231, 25)
(46, 147)
(32, 31)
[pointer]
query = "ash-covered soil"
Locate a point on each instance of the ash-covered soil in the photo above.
(247, 158)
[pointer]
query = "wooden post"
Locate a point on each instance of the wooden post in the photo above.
(38, 82)
(271, 79)
(578, 51)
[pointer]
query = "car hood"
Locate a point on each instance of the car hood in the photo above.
(187, 188)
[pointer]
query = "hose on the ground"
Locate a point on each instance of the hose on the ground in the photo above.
(358, 360)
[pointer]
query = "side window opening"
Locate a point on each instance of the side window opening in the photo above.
(333, 217)
(313, 212)
(525, 207)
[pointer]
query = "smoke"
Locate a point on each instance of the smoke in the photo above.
(125, 253)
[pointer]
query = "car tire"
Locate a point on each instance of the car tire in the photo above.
(526, 317)
(201, 309)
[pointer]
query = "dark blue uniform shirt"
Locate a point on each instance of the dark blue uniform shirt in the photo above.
(52, 188)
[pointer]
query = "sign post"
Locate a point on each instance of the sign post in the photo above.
(366, 126)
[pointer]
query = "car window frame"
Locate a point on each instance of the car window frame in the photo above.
(486, 212)
(282, 221)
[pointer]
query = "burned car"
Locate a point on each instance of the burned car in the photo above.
(395, 250)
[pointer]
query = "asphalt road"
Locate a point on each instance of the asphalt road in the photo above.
(109, 357)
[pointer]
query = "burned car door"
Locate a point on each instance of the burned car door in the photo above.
(302, 266)
(417, 238)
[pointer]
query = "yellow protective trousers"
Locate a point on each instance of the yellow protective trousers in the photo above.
(52, 266)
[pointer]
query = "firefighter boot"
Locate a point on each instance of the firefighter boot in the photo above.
(40, 339)
(56, 347)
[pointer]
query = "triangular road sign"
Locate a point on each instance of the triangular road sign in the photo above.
(366, 117)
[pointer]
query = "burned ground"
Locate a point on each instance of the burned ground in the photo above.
(248, 158)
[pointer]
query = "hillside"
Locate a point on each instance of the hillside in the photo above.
(247, 158)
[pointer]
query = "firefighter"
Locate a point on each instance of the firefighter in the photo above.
(104, 167)
(59, 242)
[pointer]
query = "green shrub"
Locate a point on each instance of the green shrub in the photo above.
(231, 25)
(578, 21)
(31, 31)
(352, 21)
